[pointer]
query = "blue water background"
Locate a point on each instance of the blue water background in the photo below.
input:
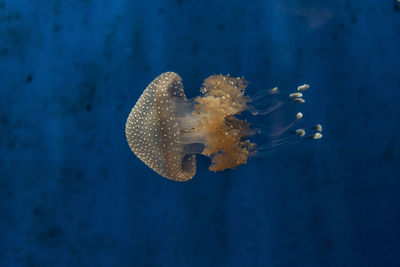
(73, 194)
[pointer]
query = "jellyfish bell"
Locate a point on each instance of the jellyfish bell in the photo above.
(152, 130)
(166, 130)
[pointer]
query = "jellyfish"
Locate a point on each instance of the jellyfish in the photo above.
(166, 130)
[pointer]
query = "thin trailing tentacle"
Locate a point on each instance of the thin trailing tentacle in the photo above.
(266, 102)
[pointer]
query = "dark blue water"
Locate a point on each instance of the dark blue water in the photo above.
(73, 194)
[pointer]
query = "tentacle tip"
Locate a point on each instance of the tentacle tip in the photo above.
(295, 95)
(317, 136)
(303, 87)
(300, 132)
(318, 128)
(274, 91)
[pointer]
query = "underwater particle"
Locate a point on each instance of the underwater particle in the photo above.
(29, 78)
(166, 130)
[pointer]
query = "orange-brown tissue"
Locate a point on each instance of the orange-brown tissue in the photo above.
(223, 98)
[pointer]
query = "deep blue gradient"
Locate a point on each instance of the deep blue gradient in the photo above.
(73, 194)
